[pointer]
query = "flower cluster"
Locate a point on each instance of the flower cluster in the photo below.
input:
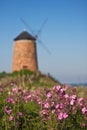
(58, 105)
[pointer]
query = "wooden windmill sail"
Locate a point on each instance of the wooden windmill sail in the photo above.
(25, 55)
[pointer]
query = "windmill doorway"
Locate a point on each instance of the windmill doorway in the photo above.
(25, 67)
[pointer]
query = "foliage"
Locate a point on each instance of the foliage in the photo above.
(57, 108)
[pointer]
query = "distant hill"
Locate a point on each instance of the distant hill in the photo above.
(79, 84)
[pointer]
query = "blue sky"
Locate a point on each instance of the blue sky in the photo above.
(65, 34)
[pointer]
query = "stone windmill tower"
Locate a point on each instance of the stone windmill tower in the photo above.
(25, 56)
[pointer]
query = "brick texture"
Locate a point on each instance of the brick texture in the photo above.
(24, 55)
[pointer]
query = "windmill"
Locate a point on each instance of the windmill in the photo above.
(25, 50)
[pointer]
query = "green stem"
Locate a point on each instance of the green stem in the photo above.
(63, 125)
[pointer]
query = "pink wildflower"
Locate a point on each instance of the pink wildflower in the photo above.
(61, 105)
(56, 88)
(80, 101)
(62, 90)
(46, 105)
(7, 110)
(60, 116)
(57, 106)
(19, 113)
(53, 111)
(11, 118)
(47, 117)
(72, 102)
(28, 97)
(73, 97)
(84, 110)
(52, 103)
(66, 96)
(14, 90)
(44, 112)
(39, 101)
(65, 115)
(10, 100)
(12, 83)
(49, 95)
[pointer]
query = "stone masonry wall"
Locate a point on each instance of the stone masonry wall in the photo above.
(24, 56)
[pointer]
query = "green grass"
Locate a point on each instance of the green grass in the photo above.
(28, 78)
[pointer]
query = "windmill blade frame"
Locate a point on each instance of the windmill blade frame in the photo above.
(39, 31)
(27, 25)
(36, 36)
(44, 46)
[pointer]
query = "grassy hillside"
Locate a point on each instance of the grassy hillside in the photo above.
(28, 79)
(32, 80)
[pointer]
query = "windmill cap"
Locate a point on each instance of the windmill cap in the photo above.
(24, 36)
